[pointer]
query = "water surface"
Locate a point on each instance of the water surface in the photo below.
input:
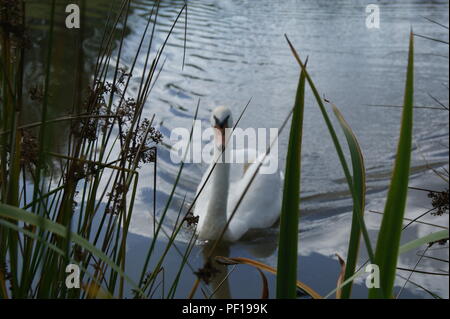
(235, 50)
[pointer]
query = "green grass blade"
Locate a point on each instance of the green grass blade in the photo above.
(337, 146)
(391, 226)
(48, 225)
(288, 241)
(346, 282)
(50, 246)
(43, 129)
(359, 189)
(423, 240)
(169, 200)
(416, 243)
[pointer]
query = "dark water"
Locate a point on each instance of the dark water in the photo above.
(235, 50)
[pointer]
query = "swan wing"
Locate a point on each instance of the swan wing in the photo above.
(261, 205)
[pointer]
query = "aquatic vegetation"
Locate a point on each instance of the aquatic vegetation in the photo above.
(288, 249)
(439, 201)
(73, 203)
(388, 242)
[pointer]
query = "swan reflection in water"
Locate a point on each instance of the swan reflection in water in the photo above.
(217, 275)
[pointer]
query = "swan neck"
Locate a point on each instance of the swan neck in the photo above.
(217, 208)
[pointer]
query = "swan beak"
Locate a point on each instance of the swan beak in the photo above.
(219, 134)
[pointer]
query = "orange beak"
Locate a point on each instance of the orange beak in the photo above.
(219, 135)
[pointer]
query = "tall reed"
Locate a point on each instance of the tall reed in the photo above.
(288, 241)
(75, 205)
(388, 244)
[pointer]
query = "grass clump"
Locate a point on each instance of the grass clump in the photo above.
(73, 204)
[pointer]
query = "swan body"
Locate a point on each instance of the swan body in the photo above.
(219, 195)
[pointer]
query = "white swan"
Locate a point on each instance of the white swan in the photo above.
(261, 205)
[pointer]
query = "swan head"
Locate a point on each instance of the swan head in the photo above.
(221, 120)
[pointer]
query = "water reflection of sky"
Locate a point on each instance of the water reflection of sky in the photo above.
(236, 50)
